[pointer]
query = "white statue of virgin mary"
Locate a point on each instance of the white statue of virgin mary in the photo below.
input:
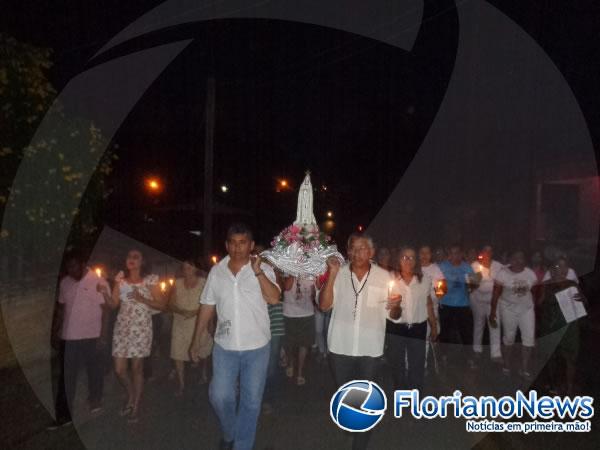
(304, 211)
(301, 250)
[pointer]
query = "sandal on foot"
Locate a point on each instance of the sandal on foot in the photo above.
(126, 410)
(134, 416)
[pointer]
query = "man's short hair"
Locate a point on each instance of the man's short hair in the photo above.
(455, 245)
(516, 251)
(356, 235)
(239, 228)
(74, 255)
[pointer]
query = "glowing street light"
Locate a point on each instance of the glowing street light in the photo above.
(153, 185)
(282, 185)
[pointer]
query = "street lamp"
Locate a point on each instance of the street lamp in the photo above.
(282, 185)
(154, 185)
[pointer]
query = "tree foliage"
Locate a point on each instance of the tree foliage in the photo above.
(55, 197)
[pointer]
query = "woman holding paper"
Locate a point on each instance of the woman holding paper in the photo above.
(136, 295)
(552, 318)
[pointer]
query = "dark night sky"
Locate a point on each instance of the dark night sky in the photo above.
(291, 97)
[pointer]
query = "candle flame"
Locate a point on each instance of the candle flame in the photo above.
(98, 271)
(171, 281)
(163, 286)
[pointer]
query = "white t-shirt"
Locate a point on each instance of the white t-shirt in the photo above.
(571, 275)
(360, 333)
(242, 314)
(484, 292)
(299, 301)
(414, 299)
(516, 289)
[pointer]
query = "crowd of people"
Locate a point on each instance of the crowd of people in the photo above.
(248, 319)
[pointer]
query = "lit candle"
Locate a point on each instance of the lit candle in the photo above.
(171, 281)
(390, 288)
(98, 271)
(439, 288)
(214, 259)
(163, 286)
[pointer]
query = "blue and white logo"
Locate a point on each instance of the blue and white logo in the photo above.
(358, 406)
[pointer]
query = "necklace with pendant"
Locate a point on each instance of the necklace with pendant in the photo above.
(357, 293)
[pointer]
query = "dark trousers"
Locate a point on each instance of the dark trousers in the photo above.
(273, 384)
(404, 343)
(457, 328)
(348, 368)
(457, 325)
(72, 356)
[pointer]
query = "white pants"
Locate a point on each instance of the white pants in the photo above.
(522, 320)
(481, 313)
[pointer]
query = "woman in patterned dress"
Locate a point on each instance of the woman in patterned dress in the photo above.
(137, 296)
(184, 303)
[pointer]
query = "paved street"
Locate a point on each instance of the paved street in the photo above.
(300, 419)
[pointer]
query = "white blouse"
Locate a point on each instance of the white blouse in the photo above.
(414, 299)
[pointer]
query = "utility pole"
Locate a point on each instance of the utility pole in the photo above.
(209, 142)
